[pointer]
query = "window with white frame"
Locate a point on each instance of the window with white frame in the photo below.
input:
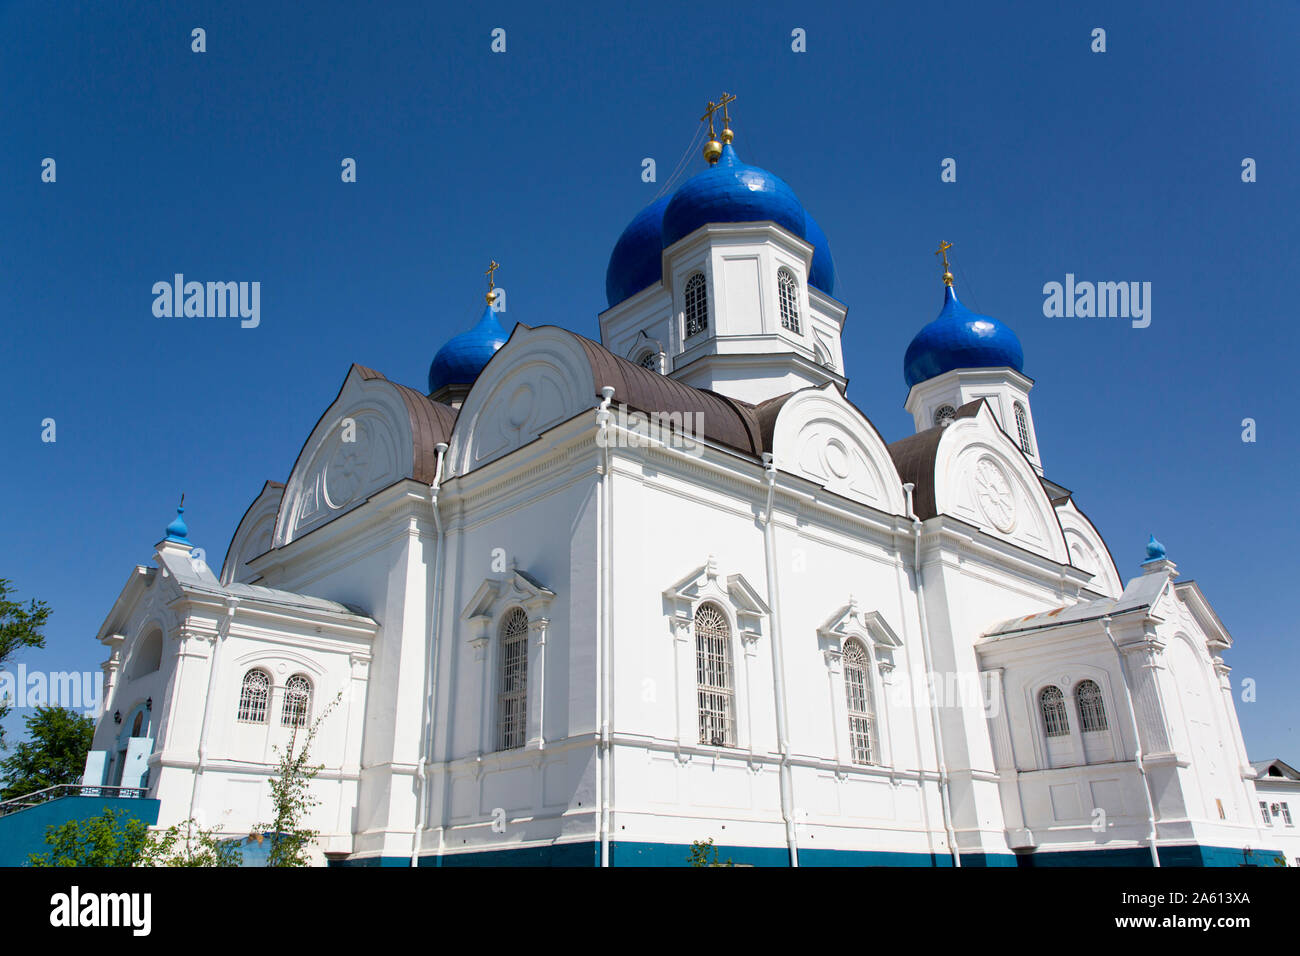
(1263, 809)
(713, 672)
(513, 695)
(649, 361)
(697, 305)
(945, 416)
(1092, 711)
(1286, 814)
(253, 697)
(297, 702)
(1022, 429)
(788, 288)
(1052, 703)
(861, 703)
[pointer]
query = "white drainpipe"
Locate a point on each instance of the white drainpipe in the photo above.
(778, 664)
(430, 662)
(908, 488)
(1137, 741)
(223, 631)
(602, 648)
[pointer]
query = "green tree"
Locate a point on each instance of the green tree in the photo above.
(290, 839)
(20, 627)
(186, 844)
(114, 838)
(54, 753)
(704, 853)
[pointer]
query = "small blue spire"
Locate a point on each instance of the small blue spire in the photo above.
(177, 531)
(1155, 550)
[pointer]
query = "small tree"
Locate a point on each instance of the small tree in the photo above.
(704, 853)
(290, 839)
(20, 627)
(114, 838)
(186, 844)
(54, 754)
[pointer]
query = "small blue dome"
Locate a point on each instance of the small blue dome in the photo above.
(637, 260)
(731, 191)
(960, 338)
(822, 274)
(1155, 550)
(464, 356)
(178, 530)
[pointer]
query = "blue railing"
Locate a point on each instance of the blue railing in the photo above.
(29, 800)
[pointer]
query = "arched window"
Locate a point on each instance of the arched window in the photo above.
(512, 697)
(788, 289)
(253, 697)
(1022, 428)
(697, 305)
(945, 416)
(297, 702)
(1055, 719)
(1092, 711)
(861, 704)
(717, 691)
(649, 360)
(138, 724)
(148, 654)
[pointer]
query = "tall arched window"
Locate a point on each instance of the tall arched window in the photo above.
(697, 305)
(861, 704)
(253, 696)
(717, 690)
(297, 702)
(1092, 711)
(1055, 719)
(788, 289)
(148, 654)
(649, 360)
(512, 698)
(1022, 428)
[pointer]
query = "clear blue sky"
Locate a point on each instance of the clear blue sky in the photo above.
(225, 166)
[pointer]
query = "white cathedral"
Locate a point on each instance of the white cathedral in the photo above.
(588, 603)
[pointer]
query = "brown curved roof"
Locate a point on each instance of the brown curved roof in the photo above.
(723, 420)
(914, 458)
(431, 423)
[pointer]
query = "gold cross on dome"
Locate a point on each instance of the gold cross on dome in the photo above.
(944, 246)
(708, 115)
(722, 105)
(492, 279)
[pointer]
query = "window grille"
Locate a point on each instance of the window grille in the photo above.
(253, 696)
(697, 305)
(514, 679)
(1052, 701)
(945, 416)
(1092, 711)
(861, 703)
(1263, 809)
(713, 672)
(788, 287)
(297, 702)
(650, 360)
(1022, 427)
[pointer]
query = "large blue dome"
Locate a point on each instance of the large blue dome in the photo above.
(960, 338)
(731, 191)
(822, 274)
(464, 356)
(637, 260)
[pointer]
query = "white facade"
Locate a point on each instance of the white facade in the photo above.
(559, 630)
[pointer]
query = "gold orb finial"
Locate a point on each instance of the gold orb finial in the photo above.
(727, 134)
(712, 149)
(491, 292)
(944, 246)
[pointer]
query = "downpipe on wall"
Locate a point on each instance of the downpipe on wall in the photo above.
(223, 631)
(602, 645)
(778, 664)
(944, 799)
(1137, 741)
(430, 662)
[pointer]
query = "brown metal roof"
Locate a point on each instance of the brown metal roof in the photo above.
(431, 423)
(914, 458)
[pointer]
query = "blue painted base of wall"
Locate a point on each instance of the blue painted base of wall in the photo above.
(23, 833)
(622, 853)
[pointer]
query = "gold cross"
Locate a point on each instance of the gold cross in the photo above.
(708, 115)
(722, 105)
(491, 278)
(944, 246)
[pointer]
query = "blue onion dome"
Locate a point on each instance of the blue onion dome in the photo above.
(636, 262)
(960, 338)
(731, 191)
(822, 274)
(178, 530)
(1155, 550)
(460, 361)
